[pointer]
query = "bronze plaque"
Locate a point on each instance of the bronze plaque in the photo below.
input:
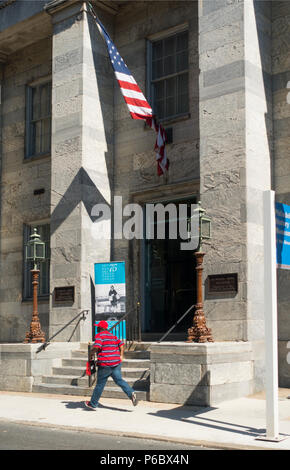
(223, 283)
(64, 294)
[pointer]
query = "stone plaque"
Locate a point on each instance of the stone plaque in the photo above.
(64, 294)
(223, 283)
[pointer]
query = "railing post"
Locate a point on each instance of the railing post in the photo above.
(89, 358)
(138, 321)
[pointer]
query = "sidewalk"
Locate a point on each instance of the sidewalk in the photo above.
(231, 425)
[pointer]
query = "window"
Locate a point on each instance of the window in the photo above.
(168, 75)
(43, 287)
(38, 120)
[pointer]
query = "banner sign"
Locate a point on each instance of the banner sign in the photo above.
(282, 235)
(110, 290)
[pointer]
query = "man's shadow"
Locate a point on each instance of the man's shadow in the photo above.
(73, 405)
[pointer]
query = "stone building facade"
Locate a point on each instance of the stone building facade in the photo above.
(229, 144)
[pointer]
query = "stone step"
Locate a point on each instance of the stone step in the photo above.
(137, 384)
(135, 346)
(77, 362)
(136, 363)
(109, 392)
(75, 371)
(79, 354)
(78, 372)
(137, 373)
(135, 354)
(142, 346)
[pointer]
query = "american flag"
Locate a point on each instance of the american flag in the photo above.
(138, 106)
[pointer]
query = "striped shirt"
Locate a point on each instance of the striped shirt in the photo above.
(109, 352)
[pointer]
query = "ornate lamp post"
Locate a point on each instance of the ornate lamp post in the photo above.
(35, 251)
(199, 333)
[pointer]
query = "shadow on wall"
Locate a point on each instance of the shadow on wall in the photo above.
(81, 189)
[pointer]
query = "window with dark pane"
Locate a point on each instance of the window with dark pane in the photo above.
(43, 287)
(38, 119)
(169, 76)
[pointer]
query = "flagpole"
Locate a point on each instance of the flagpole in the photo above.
(270, 310)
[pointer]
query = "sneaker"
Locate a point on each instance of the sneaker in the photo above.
(134, 399)
(88, 405)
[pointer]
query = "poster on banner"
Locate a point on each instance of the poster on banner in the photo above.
(282, 212)
(110, 290)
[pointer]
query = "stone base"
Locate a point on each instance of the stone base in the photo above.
(22, 366)
(200, 374)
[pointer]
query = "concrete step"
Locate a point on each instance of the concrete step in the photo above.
(137, 384)
(109, 392)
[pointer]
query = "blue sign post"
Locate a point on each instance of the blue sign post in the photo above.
(110, 294)
(282, 235)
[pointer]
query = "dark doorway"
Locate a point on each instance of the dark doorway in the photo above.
(170, 286)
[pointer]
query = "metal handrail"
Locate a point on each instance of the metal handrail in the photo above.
(119, 321)
(175, 324)
(83, 313)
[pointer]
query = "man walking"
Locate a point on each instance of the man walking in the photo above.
(110, 351)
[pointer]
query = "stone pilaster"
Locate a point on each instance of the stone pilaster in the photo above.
(82, 114)
(235, 161)
(281, 125)
(1, 84)
(222, 160)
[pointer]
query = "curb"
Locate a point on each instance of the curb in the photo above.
(153, 437)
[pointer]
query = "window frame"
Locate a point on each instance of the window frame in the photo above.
(149, 71)
(27, 266)
(30, 152)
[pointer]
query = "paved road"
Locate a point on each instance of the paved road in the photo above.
(14, 436)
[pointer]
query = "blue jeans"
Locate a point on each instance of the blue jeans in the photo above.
(103, 374)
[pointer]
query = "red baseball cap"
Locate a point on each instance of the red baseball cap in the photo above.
(102, 324)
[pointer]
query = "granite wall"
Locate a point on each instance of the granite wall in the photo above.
(19, 179)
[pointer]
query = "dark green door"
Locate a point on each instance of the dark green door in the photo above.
(170, 285)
